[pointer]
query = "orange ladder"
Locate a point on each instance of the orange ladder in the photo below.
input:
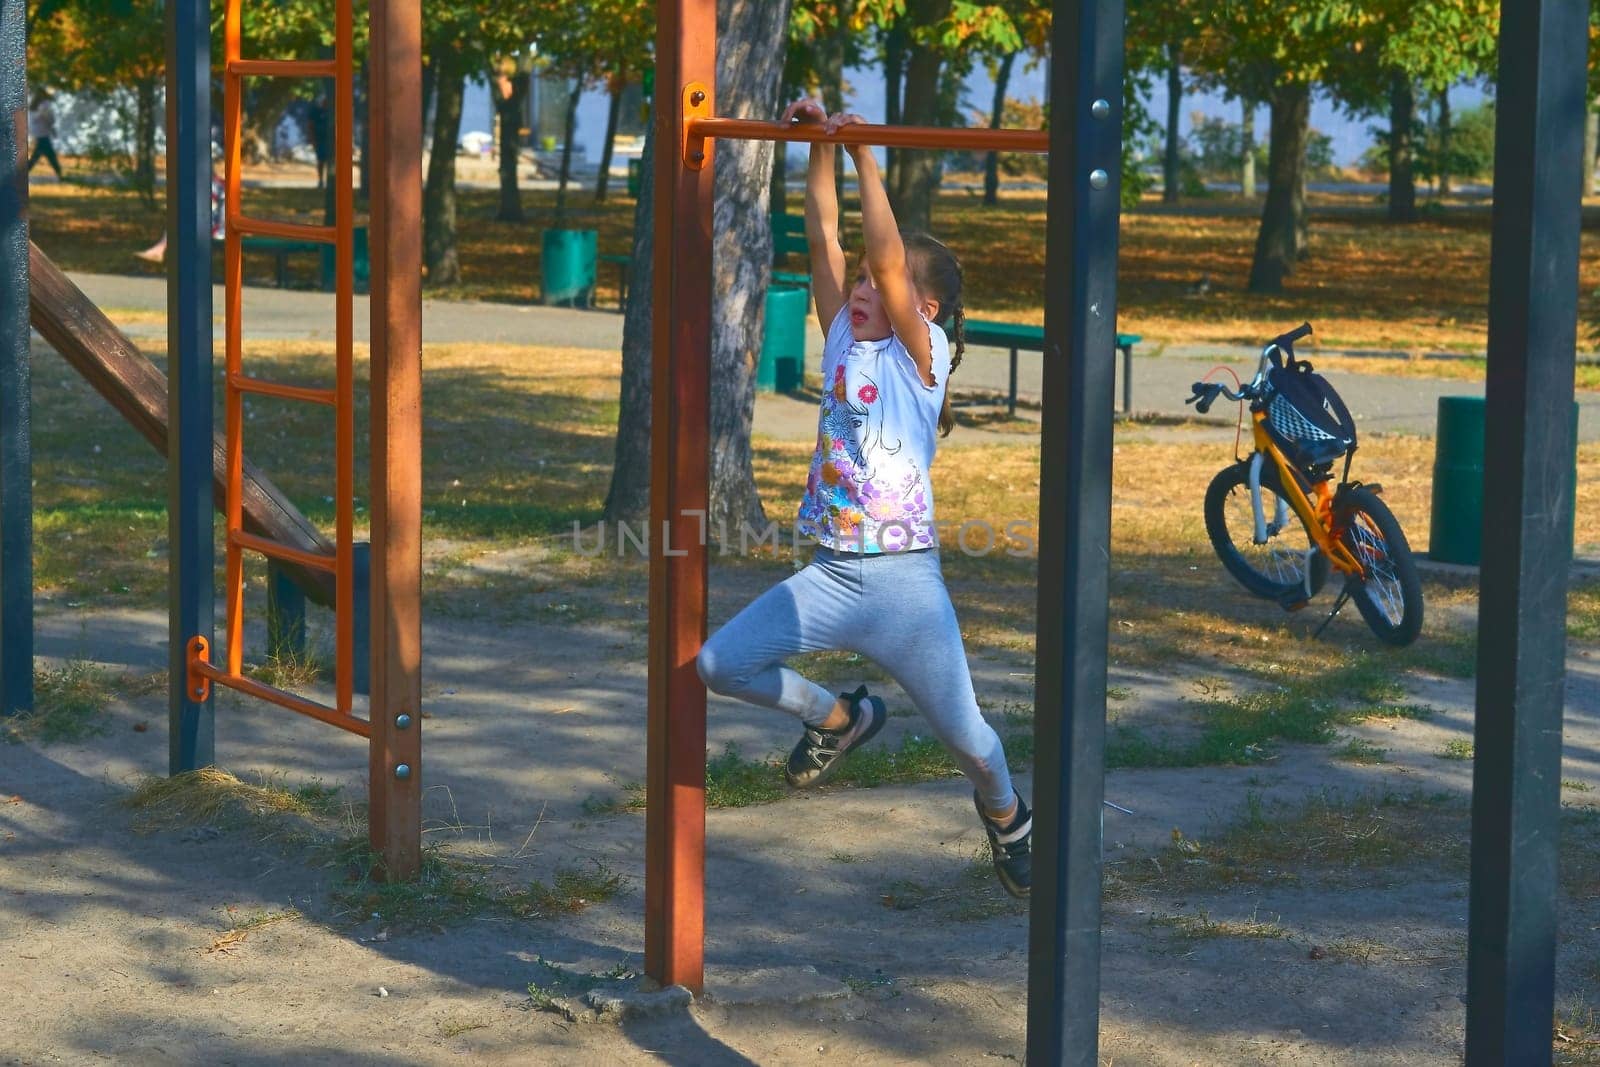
(202, 672)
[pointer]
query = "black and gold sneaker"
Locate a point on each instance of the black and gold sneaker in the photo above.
(818, 752)
(1012, 847)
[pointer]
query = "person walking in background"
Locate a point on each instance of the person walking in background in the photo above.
(42, 128)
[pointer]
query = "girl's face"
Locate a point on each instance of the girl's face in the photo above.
(868, 319)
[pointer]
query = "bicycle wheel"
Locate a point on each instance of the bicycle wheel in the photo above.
(1389, 595)
(1276, 569)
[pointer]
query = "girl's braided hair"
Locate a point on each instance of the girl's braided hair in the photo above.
(937, 274)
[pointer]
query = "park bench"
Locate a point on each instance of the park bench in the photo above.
(789, 239)
(1018, 337)
(281, 248)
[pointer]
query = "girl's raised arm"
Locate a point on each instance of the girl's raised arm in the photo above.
(822, 220)
(886, 255)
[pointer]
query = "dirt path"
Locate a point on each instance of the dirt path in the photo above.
(917, 957)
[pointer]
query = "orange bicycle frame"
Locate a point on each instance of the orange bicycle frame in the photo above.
(1317, 516)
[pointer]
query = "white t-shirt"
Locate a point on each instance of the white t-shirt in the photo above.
(868, 488)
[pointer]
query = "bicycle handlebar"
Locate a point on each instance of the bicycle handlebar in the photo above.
(1204, 394)
(1296, 334)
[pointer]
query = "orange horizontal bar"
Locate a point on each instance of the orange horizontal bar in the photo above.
(276, 550)
(283, 392)
(284, 68)
(293, 231)
(982, 140)
(273, 695)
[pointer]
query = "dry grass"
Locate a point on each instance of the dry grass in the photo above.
(230, 939)
(1577, 1036)
(211, 797)
(1340, 840)
(1201, 926)
(69, 704)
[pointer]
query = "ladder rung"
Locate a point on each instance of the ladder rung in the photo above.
(309, 395)
(284, 68)
(278, 550)
(273, 695)
(293, 231)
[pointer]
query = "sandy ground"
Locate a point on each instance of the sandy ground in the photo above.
(106, 932)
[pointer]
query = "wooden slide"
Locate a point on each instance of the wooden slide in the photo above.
(96, 349)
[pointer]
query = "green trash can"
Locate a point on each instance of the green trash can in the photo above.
(634, 177)
(567, 264)
(1455, 532)
(783, 344)
(362, 266)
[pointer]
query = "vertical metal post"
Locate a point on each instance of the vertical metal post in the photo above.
(1011, 394)
(395, 795)
(191, 556)
(679, 478)
(1533, 293)
(1075, 531)
(16, 459)
(1127, 379)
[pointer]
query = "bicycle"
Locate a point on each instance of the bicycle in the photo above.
(1301, 428)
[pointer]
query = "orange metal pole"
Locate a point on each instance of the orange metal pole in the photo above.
(395, 813)
(976, 140)
(304, 394)
(292, 231)
(274, 695)
(679, 478)
(233, 403)
(286, 68)
(344, 109)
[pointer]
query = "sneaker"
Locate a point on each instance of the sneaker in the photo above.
(1012, 847)
(813, 760)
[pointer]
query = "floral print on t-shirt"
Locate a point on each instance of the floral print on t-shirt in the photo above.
(867, 488)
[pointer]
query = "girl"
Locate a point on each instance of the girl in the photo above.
(874, 585)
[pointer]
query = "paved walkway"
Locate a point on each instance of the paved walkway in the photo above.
(1161, 382)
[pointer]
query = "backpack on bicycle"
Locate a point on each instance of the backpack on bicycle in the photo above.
(1306, 417)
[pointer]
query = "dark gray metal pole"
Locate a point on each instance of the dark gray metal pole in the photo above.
(1075, 531)
(1527, 505)
(191, 742)
(16, 459)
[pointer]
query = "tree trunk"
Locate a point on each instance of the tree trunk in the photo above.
(566, 148)
(508, 109)
(1402, 164)
(778, 197)
(628, 499)
(144, 161)
(894, 69)
(614, 112)
(1444, 144)
(751, 45)
(1302, 218)
(1591, 145)
(917, 173)
(1277, 243)
(1169, 169)
(1247, 140)
(439, 195)
(997, 114)
(430, 78)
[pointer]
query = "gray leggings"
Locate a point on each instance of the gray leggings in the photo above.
(891, 608)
